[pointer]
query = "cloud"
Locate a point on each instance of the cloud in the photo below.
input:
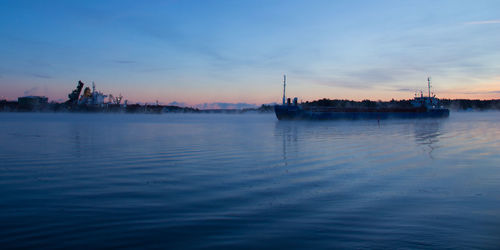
(155, 69)
(125, 61)
(403, 90)
(41, 76)
(32, 91)
(342, 82)
(212, 51)
(484, 22)
(481, 92)
(376, 75)
(139, 66)
(180, 104)
(366, 78)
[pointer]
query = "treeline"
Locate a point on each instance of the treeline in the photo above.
(13, 106)
(336, 103)
(453, 104)
(465, 104)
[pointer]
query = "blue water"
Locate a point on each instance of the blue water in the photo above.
(248, 181)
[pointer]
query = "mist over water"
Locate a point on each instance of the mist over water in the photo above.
(218, 180)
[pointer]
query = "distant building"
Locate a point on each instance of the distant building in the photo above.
(32, 102)
(8, 105)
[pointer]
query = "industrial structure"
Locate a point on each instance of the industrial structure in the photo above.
(32, 102)
(89, 98)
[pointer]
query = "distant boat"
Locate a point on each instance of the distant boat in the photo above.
(422, 107)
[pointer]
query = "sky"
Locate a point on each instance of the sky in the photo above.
(194, 52)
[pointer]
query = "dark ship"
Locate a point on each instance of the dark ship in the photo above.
(422, 107)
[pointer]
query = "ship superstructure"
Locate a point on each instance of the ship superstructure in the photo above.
(92, 98)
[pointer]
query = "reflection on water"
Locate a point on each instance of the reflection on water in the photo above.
(212, 181)
(289, 134)
(427, 133)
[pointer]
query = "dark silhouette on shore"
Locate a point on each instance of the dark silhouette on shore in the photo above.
(452, 104)
(32, 104)
(94, 101)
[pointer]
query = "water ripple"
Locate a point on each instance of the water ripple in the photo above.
(212, 181)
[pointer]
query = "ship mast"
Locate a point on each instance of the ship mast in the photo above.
(429, 85)
(284, 87)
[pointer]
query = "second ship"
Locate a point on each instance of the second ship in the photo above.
(422, 107)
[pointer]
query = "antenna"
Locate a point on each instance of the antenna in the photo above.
(284, 87)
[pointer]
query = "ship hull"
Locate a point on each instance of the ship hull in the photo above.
(290, 112)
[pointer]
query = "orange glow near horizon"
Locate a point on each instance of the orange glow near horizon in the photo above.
(482, 94)
(264, 95)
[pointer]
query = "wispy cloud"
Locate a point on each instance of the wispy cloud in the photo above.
(210, 50)
(155, 69)
(215, 105)
(32, 91)
(403, 90)
(342, 82)
(125, 61)
(180, 104)
(485, 22)
(367, 78)
(481, 92)
(41, 76)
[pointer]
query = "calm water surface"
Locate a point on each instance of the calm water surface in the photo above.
(213, 181)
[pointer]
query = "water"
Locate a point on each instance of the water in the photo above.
(212, 181)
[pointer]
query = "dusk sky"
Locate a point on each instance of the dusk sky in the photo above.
(237, 51)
